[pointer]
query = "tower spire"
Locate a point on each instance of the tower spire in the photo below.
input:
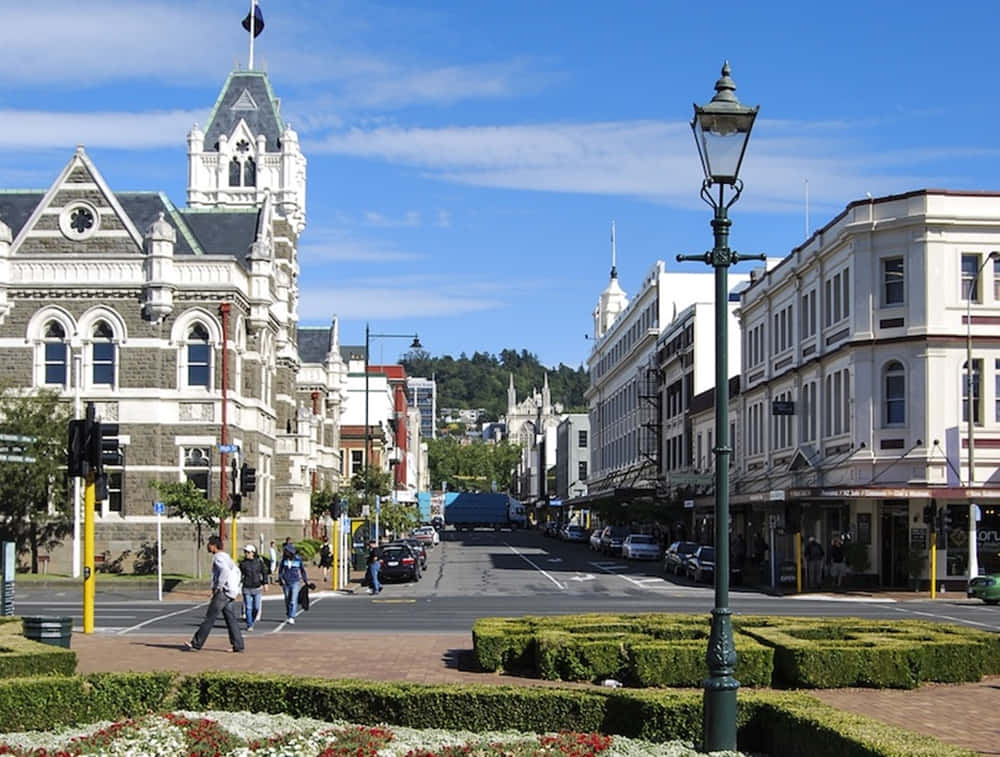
(614, 253)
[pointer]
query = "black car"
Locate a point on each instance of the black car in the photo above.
(417, 546)
(399, 561)
(675, 558)
(701, 564)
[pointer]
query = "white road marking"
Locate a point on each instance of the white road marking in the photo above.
(961, 621)
(532, 564)
(161, 617)
(584, 577)
(832, 598)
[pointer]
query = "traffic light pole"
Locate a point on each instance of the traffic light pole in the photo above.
(89, 577)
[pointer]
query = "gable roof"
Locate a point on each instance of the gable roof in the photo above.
(246, 96)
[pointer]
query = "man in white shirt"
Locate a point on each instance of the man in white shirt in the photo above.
(225, 588)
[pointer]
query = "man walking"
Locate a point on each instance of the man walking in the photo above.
(252, 571)
(814, 563)
(225, 589)
(291, 575)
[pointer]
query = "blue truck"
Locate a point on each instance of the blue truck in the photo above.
(468, 511)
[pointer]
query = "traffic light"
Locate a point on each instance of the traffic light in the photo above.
(929, 513)
(944, 521)
(76, 447)
(236, 503)
(248, 479)
(111, 453)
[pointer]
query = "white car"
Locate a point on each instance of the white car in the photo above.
(426, 534)
(641, 547)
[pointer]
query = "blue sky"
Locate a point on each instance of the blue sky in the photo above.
(466, 159)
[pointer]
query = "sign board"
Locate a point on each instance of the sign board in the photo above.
(782, 407)
(228, 449)
(776, 495)
(689, 504)
(159, 508)
(555, 502)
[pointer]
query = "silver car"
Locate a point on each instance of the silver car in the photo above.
(641, 547)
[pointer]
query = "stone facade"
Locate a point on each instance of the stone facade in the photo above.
(181, 325)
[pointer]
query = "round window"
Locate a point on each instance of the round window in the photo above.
(79, 220)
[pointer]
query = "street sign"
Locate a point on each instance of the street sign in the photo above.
(689, 504)
(782, 407)
(228, 449)
(159, 508)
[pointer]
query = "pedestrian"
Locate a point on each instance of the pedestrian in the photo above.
(252, 571)
(225, 589)
(272, 575)
(291, 575)
(326, 561)
(814, 563)
(838, 566)
(374, 563)
(739, 553)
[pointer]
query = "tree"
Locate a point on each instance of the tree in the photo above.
(378, 484)
(398, 518)
(471, 466)
(36, 512)
(184, 499)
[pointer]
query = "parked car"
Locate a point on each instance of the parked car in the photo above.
(595, 539)
(675, 558)
(700, 565)
(426, 535)
(417, 546)
(986, 588)
(640, 547)
(574, 533)
(612, 538)
(399, 561)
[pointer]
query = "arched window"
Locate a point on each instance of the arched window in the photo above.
(249, 173)
(894, 409)
(235, 169)
(102, 355)
(55, 354)
(199, 357)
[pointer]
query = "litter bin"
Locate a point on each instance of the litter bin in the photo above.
(360, 557)
(56, 631)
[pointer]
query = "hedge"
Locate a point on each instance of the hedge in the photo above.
(780, 724)
(838, 652)
(659, 649)
(23, 657)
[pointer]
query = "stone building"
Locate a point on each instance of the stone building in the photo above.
(180, 324)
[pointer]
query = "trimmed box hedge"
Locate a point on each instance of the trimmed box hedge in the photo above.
(837, 652)
(778, 723)
(660, 649)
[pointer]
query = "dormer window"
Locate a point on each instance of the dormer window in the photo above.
(242, 168)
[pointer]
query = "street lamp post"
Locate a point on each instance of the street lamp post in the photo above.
(721, 130)
(970, 415)
(368, 434)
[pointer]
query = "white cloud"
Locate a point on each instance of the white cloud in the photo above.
(32, 129)
(651, 160)
(402, 301)
(337, 245)
(410, 218)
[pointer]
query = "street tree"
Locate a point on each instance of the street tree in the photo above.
(36, 513)
(184, 499)
(476, 466)
(398, 518)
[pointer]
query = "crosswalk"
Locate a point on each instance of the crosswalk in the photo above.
(655, 583)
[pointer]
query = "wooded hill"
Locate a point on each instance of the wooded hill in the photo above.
(482, 380)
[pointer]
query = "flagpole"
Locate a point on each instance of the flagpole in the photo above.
(253, 27)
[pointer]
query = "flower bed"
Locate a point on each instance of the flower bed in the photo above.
(243, 734)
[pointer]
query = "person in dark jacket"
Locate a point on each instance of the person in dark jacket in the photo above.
(252, 570)
(291, 575)
(326, 561)
(374, 564)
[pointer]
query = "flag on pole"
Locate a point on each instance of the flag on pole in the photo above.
(257, 21)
